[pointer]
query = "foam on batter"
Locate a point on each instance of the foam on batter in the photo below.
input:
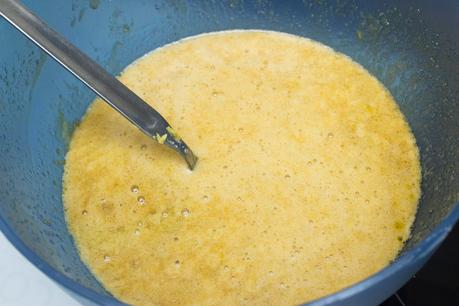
(307, 182)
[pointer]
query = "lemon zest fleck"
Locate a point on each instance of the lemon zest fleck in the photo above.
(173, 133)
(161, 139)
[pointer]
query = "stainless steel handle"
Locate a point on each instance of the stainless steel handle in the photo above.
(93, 75)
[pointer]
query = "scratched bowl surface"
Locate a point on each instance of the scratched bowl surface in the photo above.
(412, 47)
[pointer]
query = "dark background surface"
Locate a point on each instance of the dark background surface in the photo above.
(437, 283)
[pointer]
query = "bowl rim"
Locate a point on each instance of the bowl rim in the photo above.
(422, 249)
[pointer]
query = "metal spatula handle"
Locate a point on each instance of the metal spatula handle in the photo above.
(95, 77)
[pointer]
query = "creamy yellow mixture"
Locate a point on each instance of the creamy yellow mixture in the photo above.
(307, 181)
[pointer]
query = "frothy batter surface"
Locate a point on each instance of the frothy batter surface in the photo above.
(307, 182)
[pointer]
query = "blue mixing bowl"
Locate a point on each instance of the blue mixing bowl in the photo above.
(410, 46)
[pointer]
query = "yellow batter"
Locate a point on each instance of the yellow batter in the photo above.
(307, 181)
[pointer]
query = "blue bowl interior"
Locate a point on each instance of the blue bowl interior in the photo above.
(411, 46)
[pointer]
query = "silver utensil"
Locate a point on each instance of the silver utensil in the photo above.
(95, 77)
